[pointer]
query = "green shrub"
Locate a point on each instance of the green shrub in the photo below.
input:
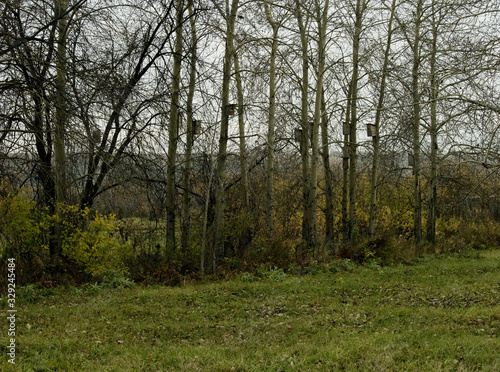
(96, 247)
(276, 274)
(247, 277)
(91, 246)
(24, 235)
(31, 293)
(22, 227)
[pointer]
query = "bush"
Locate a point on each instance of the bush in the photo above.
(22, 227)
(23, 236)
(379, 251)
(482, 235)
(96, 247)
(91, 246)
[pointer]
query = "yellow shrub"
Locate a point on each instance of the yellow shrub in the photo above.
(97, 247)
(449, 227)
(21, 227)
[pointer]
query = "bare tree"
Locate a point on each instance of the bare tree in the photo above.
(321, 12)
(272, 121)
(360, 9)
(193, 126)
(376, 139)
(229, 14)
(173, 128)
(308, 222)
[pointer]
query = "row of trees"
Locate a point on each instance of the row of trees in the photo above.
(99, 94)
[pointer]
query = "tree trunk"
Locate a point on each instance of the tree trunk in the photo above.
(322, 15)
(325, 152)
(218, 246)
(173, 130)
(345, 170)
(353, 229)
(61, 106)
(43, 144)
(60, 124)
(433, 131)
(417, 209)
(243, 157)
(271, 125)
(307, 231)
(207, 218)
(376, 139)
(186, 200)
(243, 146)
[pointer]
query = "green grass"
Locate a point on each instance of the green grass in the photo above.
(436, 315)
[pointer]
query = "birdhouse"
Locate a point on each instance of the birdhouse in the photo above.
(231, 109)
(96, 136)
(371, 130)
(311, 130)
(411, 160)
(196, 127)
(297, 134)
(345, 128)
(180, 118)
(346, 152)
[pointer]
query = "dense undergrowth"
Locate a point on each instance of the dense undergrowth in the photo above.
(99, 248)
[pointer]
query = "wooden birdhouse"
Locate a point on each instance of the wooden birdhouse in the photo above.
(297, 134)
(180, 118)
(231, 109)
(411, 160)
(345, 128)
(371, 130)
(96, 136)
(311, 130)
(196, 127)
(346, 152)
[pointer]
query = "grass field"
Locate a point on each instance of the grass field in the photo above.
(439, 314)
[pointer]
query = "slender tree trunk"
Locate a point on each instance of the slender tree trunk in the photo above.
(360, 7)
(186, 200)
(173, 130)
(243, 156)
(431, 218)
(206, 213)
(307, 232)
(222, 155)
(345, 170)
(243, 146)
(417, 210)
(325, 153)
(60, 123)
(271, 125)
(43, 144)
(376, 139)
(322, 15)
(61, 116)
